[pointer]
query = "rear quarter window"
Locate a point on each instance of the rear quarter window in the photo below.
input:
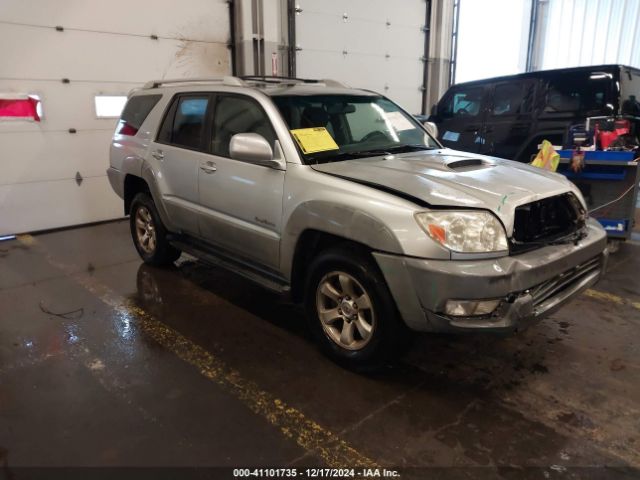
(135, 112)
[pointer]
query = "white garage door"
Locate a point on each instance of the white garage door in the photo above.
(373, 44)
(50, 177)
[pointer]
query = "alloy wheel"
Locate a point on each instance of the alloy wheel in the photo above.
(145, 230)
(345, 310)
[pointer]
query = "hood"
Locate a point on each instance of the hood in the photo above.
(449, 178)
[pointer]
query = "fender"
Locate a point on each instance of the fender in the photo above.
(337, 219)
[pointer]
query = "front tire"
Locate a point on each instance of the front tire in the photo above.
(351, 311)
(149, 234)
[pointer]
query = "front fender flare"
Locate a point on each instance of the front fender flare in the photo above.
(339, 220)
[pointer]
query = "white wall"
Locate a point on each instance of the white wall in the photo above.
(105, 48)
(383, 41)
(588, 32)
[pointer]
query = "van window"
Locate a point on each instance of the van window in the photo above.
(236, 114)
(579, 92)
(135, 112)
(630, 92)
(512, 98)
(183, 125)
(464, 103)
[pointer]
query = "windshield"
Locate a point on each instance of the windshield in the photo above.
(343, 127)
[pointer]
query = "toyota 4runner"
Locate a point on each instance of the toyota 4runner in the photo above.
(340, 199)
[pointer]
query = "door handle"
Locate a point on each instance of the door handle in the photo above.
(157, 154)
(208, 167)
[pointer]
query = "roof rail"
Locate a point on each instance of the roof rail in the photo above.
(227, 80)
(272, 80)
(245, 80)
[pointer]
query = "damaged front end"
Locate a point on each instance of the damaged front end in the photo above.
(500, 294)
(551, 220)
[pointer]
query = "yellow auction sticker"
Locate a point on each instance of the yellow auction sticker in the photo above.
(316, 139)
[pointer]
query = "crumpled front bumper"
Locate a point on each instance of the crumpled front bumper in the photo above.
(531, 285)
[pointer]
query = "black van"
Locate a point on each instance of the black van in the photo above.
(509, 116)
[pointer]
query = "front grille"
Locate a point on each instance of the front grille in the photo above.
(565, 280)
(546, 220)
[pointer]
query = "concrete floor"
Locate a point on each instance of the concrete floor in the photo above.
(107, 362)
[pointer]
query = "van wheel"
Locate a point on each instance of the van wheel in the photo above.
(149, 234)
(351, 311)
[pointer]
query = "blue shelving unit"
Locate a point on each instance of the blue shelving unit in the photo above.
(605, 177)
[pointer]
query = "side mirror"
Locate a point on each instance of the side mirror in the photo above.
(431, 128)
(252, 148)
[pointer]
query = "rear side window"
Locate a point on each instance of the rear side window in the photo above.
(463, 103)
(236, 114)
(512, 98)
(184, 124)
(579, 92)
(135, 112)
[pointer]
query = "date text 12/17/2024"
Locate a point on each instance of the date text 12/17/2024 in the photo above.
(315, 473)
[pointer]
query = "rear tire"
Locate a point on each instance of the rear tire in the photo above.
(149, 234)
(351, 311)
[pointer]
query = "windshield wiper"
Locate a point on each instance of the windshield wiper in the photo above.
(349, 155)
(371, 153)
(410, 147)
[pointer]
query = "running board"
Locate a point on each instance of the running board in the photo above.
(265, 279)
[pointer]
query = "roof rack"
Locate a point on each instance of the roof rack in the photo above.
(228, 80)
(267, 79)
(245, 81)
(275, 79)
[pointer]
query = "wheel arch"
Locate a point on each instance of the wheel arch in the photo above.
(132, 186)
(145, 182)
(315, 225)
(310, 244)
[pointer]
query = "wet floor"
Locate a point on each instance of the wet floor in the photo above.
(107, 362)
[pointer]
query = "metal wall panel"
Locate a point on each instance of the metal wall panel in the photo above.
(373, 44)
(588, 32)
(105, 48)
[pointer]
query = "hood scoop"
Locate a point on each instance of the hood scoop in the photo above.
(468, 164)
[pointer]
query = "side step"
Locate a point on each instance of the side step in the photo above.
(266, 279)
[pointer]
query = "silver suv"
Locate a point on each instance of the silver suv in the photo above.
(340, 199)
